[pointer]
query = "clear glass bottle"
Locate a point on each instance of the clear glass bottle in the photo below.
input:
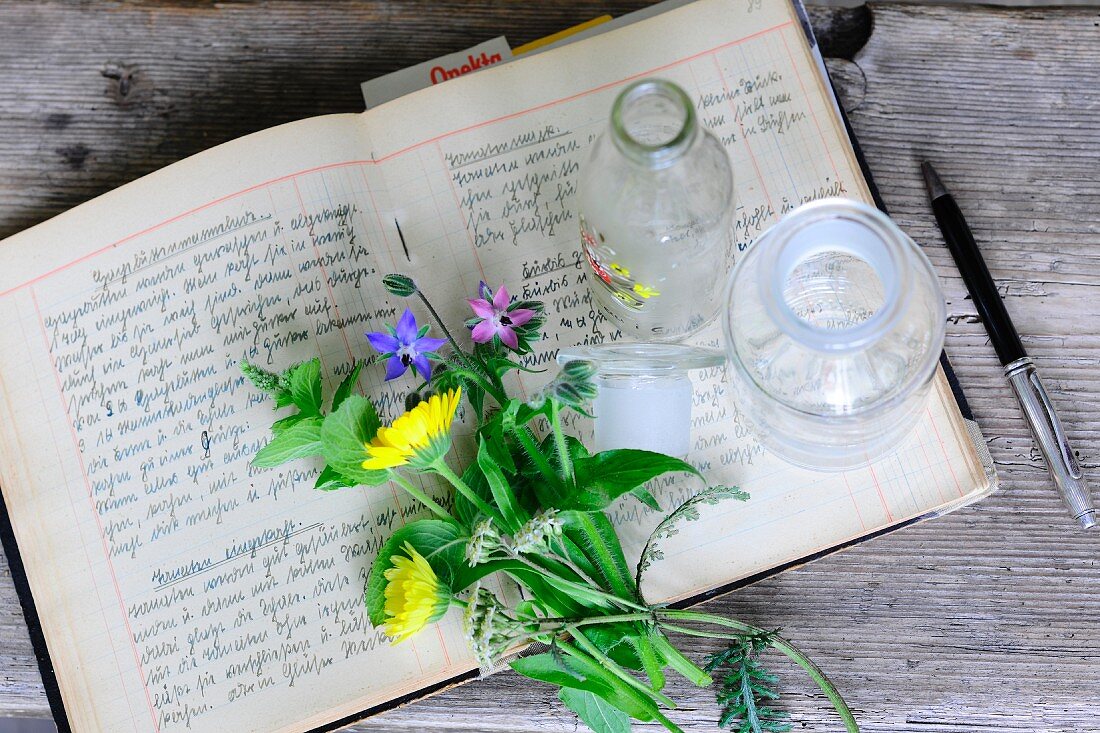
(655, 200)
(834, 323)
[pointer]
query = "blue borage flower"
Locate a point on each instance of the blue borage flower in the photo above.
(405, 346)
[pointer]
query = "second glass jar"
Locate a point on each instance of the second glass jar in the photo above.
(655, 199)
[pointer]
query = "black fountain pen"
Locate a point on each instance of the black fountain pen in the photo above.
(1019, 369)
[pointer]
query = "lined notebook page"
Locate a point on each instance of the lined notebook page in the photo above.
(181, 590)
(488, 189)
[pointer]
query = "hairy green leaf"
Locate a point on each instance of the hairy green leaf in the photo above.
(298, 441)
(344, 435)
(595, 536)
(581, 673)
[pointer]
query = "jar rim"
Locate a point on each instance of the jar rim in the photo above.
(783, 253)
(659, 154)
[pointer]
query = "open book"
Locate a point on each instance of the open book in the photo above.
(179, 589)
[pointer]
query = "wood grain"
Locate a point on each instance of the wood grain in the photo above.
(985, 620)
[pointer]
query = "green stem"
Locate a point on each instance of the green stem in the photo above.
(815, 672)
(418, 494)
(560, 442)
(465, 358)
(568, 624)
(480, 380)
(445, 471)
(611, 666)
(442, 325)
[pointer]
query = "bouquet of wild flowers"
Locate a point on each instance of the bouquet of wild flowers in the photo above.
(530, 506)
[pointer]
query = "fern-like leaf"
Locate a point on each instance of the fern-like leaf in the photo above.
(746, 687)
(686, 512)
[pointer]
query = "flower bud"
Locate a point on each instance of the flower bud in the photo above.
(578, 370)
(400, 285)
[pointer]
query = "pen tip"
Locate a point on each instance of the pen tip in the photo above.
(932, 181)
(1088, 519)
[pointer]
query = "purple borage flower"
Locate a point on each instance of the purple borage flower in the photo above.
(406, 346)
(496, 318)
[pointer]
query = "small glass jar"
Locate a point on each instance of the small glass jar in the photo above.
(655, 201)
(644, 397)
(834, 323)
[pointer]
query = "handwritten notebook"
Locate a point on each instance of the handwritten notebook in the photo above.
(177, 589)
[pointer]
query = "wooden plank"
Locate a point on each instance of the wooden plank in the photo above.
(986, 619)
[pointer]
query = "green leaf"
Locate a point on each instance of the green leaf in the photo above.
(548, 667)
(747, 687)
(642, 494)
(298, 441)
(441, 543)
(465, 511)
(595, 536)
(344, 435)
(595, 712)
(304, 382)
(651, 661)
(580, 673)
(618, 693)
(674, 658)
(465, 575)
(686, 512)
(503, 496)
(346, 386)
(331, 480)
(290, 420)
(604, 477)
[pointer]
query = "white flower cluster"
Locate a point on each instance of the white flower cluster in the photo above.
(489, 630)
(533, 536)
(482, 543)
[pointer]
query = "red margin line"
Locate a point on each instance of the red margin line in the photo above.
(99, 523)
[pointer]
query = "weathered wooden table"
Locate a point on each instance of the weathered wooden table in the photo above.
(985, 620)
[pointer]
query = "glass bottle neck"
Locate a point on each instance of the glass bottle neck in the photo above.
(653, 123)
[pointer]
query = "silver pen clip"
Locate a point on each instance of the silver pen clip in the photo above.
(1051, 438)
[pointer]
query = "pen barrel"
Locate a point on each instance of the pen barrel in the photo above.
(975, 274)
(1052, 441)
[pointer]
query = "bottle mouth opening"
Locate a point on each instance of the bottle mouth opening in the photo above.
(653, 121)
(837, 276)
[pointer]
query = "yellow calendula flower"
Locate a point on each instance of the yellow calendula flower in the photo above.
(645, 291)
(421, 436)
(414, 595)
(619, 269)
